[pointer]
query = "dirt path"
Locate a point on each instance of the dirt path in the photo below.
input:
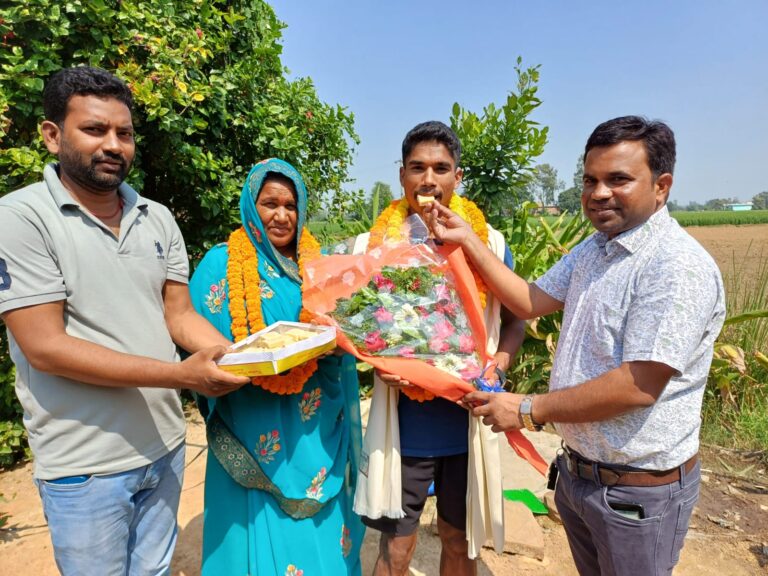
(728, 535)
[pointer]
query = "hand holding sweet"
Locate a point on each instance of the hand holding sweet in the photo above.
(446, 225)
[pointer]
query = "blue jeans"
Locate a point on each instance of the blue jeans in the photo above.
(117, 524)
(605, 542)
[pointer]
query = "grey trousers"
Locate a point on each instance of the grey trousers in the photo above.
(605, 542)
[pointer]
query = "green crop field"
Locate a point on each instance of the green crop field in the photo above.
(720, 217)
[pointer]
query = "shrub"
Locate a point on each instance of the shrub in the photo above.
(210, 91)
(211, 99)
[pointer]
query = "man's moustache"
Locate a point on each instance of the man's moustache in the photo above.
(108, 158)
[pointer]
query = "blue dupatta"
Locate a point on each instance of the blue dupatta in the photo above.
(305, 444)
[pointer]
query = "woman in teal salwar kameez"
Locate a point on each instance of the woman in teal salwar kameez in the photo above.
(281, 467)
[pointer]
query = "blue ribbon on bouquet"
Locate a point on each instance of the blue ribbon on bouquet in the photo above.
(485, 385)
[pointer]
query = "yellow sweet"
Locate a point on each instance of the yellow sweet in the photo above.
(298, 334)
(424, 200)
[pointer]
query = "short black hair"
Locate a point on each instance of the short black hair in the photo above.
(656, 136)
(432, 131)
(81, 81)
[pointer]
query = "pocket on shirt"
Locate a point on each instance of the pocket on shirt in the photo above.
(608, 325)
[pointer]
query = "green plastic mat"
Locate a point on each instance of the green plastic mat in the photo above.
(528, 498)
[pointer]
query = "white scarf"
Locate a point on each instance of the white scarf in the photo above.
(379, 489)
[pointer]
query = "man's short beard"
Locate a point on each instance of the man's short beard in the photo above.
(86, 175)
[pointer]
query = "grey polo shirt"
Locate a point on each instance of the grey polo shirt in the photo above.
(651, 293)
(52, 249)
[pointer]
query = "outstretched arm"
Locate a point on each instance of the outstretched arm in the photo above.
(630, 386)
(39, 331)
(524, 300)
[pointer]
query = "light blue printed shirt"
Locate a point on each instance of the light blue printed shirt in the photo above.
(651, 293)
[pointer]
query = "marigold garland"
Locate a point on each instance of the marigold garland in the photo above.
(389, 225)
(245, 304)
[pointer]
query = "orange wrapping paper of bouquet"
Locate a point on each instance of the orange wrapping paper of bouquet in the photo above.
(338, 276)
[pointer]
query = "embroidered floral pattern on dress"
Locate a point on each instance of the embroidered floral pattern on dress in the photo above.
(269, 445)
(293, 571)
(271, 272)
(216, 296)
(266, 291)
(346, 541)
(309, 403)
(315, 490)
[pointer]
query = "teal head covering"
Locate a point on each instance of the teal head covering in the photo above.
(305, 445)
(253, 224)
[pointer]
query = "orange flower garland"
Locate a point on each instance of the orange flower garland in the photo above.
(389, 225)
(245, 304)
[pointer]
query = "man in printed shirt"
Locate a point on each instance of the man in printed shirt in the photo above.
(643, 303)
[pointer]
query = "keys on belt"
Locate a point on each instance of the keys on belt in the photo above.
(609, 476)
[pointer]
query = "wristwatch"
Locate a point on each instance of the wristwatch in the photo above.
(525, 414)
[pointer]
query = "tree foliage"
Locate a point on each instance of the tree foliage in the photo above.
(499, 147)
(381, 197)
(211, 99)
(570, 198)
(546, 184)
(719, 203)
(760, 201)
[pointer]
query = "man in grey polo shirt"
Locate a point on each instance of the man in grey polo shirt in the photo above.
(93, 292)
(643, 304)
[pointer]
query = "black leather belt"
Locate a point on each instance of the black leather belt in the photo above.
(611, 476)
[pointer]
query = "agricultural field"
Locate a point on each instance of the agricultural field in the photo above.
(721, 218)
(738, 250)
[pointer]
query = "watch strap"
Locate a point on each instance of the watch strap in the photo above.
(526, 407)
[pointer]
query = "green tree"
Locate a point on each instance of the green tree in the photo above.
(546, 184)
(570, 198)
(718, 203)
(381, 197)
(673, 206)
(211, 99)
(499, 147)
(760, 201)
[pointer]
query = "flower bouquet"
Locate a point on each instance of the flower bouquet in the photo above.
(411, 312)
(408, 308)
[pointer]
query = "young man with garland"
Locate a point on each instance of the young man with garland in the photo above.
(434, 431)
(93, 291)
(643, 304)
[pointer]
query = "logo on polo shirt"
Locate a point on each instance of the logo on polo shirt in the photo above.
(159, 250)
(5, 278)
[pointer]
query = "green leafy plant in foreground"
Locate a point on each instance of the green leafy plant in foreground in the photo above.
(537, 244)
(737, 395)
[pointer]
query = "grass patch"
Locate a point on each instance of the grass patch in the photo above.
(742, 428)
(735, 412)
(721, 217)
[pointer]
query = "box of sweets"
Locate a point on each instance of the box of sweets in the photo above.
(277, 348)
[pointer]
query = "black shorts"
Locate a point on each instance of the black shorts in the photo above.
(450, 476)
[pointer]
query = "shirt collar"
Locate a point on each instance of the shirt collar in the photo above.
(64, 198)
(635, 238)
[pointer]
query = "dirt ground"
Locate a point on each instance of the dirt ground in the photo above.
(728, 533)
(740, 249)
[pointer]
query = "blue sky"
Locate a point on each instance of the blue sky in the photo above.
(701, 66)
